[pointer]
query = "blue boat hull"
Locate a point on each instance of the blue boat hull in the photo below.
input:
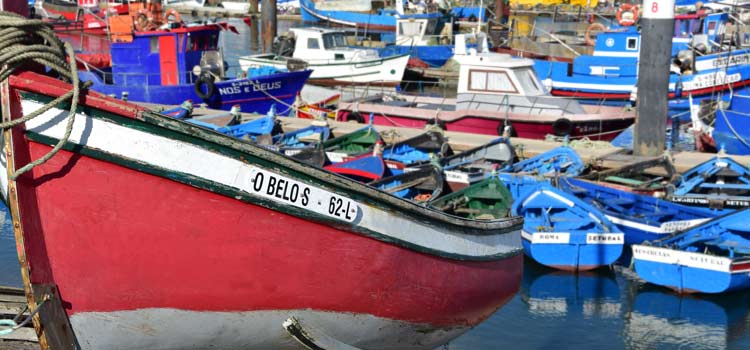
(577, 254)
(383, 20)
(730, 128)
(434, 55)
(252, 95)
(685, 276)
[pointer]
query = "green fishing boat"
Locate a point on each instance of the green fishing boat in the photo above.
(354, 143)
(488, 199)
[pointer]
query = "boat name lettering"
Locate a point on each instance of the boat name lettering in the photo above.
(249, 86)
(689, 200)
(281, 189)
(651, 251)
(703, 259)
(673, 226)
(710, 79)
(732, 60)
(604, 238)
(736, 203)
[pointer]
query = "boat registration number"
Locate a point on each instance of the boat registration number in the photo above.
(284, 190)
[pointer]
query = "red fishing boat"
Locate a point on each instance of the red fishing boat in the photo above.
(145, 232)
(494, 91)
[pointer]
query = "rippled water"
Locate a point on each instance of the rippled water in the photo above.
(607, 309)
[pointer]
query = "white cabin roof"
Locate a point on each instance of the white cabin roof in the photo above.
(493, 60)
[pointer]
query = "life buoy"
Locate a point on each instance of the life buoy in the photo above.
(172, 13)
(593, 27)
(143, 20)
(562, 127)
(627, 14)
(206, 80)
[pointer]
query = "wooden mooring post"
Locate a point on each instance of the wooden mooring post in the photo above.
(254, 26)
(657, 25)
(268, 18)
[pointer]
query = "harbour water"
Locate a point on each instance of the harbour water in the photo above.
(606, 309)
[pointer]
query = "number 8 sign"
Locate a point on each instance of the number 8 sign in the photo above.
(658, 9)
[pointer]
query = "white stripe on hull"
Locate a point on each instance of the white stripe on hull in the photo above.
(378, 70)
(186, 158)
(162, 329)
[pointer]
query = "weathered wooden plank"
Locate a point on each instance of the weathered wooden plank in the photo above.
(25, 334)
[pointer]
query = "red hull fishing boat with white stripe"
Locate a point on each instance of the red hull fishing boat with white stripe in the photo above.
(145, 232)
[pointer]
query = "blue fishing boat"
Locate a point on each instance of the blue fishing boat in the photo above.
(701, 68)
(423, 40)
(564, 232)
(419, 185)
(719, 183)
(250, 130)
(305, 137)
(562, 160)
(418, 149)
(713, 257)
(730, 125)
(343, 13)
(640, 217)
(364, 168)
(178, 62)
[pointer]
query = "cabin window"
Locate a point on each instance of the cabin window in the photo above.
(312, 43)
(491, 81)
(338, 56)
(529, 82)
(153, 44)
(334, 40)
(410, 28)
(632, 44)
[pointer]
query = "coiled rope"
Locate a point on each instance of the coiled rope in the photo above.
(29, 40)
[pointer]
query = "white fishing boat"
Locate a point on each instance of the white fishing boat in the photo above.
(325, 51)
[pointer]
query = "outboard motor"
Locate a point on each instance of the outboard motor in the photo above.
(283, 46)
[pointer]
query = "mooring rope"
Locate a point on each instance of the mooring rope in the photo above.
(29, 40)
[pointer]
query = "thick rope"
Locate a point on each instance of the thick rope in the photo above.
(27, 40)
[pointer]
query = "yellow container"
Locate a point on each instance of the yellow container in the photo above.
(532, 3)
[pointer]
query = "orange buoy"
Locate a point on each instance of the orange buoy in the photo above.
(627, 14)
(593, 27)
(175, 16)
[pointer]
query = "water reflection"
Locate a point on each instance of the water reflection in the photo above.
(661, 319)
(554, 293)
(609, 309)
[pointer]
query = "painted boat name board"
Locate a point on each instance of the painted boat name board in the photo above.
(688, 259)
(564, 238)
(287, 191)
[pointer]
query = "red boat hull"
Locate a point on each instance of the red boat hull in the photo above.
(141, 256)
(604, 130)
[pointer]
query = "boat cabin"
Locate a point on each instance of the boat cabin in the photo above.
(500, 82)
(314, 44)
(689, 30)
(163, 57)
(418, 31)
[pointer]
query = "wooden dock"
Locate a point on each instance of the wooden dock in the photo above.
(596, 153)
(12, 301)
